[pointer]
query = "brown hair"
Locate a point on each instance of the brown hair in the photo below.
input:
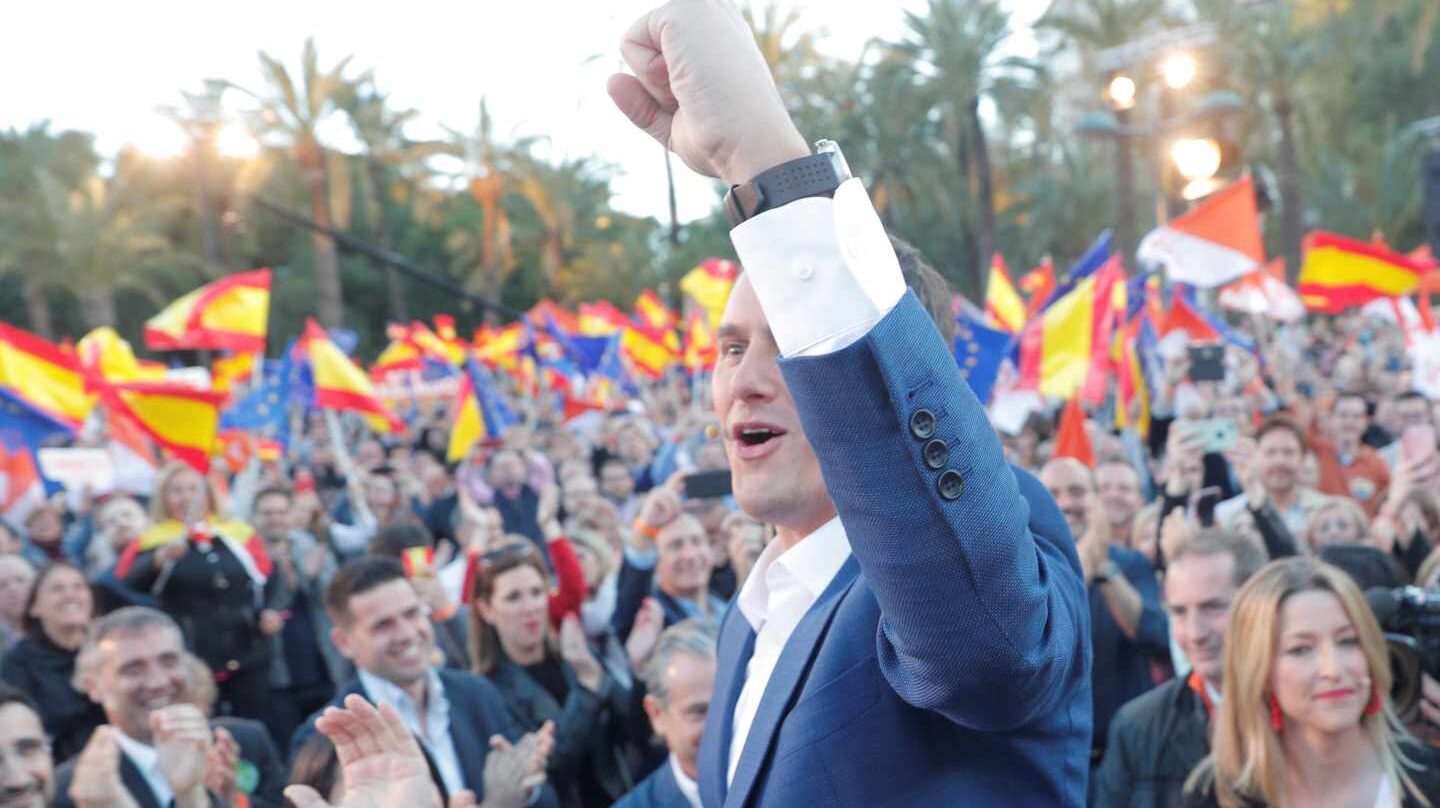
(512, 553)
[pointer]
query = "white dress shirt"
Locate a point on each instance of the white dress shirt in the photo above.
(781, 588)
(688, 788)
(147, 759)
(825, 274)
(436, 732)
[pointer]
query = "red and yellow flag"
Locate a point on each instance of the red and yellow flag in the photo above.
(649, 351)
(601, 319)
(1340, 273)
(341, 385)
(1002, 302)
(105, 355)
(1038, 283)
(229, 314)
(652, 313)
(700, 345)
(42, 375)
(181, 419)
(709, 284)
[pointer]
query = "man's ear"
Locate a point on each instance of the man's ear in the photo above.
(340, 638)
(656, 712)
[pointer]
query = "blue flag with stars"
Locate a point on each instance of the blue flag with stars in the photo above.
(979, 351)
(24, 427)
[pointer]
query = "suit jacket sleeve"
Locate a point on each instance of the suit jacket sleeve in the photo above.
(1153, 633)
(1115, 780)
(256, 747)
(984, 615)
(634, 584)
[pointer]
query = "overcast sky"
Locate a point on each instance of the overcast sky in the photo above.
(105, 67)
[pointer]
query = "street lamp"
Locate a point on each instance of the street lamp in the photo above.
(1179, 69)
(1121, 91)
(1196, 158)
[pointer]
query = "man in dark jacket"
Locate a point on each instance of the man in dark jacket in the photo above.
(1158, 738)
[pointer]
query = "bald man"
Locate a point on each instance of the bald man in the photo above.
(1128, 630)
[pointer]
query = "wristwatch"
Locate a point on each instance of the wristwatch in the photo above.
(1107, 573)
(817, 175)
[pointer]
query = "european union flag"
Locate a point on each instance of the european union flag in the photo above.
(23, 426)
(585, 352)
(264, 407)
(979, 351)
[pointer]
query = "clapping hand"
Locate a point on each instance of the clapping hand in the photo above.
(183, 740)
(97, 782)
(576, 653)
(380, 760)
(649, 622)
(512, 771)
(220, 766)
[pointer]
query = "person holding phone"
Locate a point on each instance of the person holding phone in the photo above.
(1349, 468)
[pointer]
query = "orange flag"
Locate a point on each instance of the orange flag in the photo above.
(1072, 439)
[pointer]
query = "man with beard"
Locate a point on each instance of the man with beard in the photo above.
(1127, 627)
(135, 666)
(27, 774)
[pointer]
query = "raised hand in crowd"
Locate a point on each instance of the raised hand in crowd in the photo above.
(575, 650)
(271, 622)
(183, 741)
(380, 761)
(660, 507)
(514, 771)
(220, 766)
(97, 782)
(649, 622)
(1093, 546)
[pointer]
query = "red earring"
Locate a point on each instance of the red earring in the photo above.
(1373, 707)
(1277, 719)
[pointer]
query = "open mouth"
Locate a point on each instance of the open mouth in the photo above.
(753, 434)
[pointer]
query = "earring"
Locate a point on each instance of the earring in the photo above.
(1277, 719)
(1374, 705)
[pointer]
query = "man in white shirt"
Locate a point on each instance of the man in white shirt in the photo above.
(135, 666)
(678, 681)
(916, 632)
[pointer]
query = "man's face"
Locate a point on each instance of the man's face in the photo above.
(1411, 412)
(1119, 491)
(774, 472)
(616, 482)
(16, 578)
(27, 772)
(273, 514)
(123, 521)
(1349, 419)
(1198, 593)
(683, 565)
(370, 454)
(388, 633)
(1280, 457)
(680, 719)
(1071, 485)
(138, 672)
(506, 470)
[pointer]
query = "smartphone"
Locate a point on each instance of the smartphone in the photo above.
(1417, 442)
(707, 484)
(1216, 434)
(1207, 363)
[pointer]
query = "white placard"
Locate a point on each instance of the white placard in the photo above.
(79, 468)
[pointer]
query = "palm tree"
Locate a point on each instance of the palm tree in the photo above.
(293, 112)
(389, 158)
(958, 40)
(107, 235)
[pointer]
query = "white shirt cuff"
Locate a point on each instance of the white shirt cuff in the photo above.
(823, 269)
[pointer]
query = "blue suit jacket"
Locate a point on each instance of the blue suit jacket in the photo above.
(477, 711)
(659, 790)
(948, 663)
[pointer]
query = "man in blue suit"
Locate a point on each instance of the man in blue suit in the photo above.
(460, 719)
(679, 680)
(916, 633)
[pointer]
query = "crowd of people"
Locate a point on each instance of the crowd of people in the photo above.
(895, 603)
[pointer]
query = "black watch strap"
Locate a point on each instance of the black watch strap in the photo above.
(816, 175)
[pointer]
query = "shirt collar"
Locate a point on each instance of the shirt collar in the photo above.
(688, 788)
(144, 756)
(384, 690)
(813, 562)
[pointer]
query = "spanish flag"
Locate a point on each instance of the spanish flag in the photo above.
(229, 371)
(399, 355)
(105, 355)
(709, 284)
(1340, 273)
(700, 344)
(500, 348)
(228, 314)
(1056, 347)
(247, 546)
(179, 418)
(479, 414)
(1002, 302)
(601, 319)
(340, 385)
(652, 313)
(1038, 283)
(448, 334)
(651, 352)
(43, 376)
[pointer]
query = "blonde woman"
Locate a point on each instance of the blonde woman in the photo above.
(212, 576)
(1306, 719)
